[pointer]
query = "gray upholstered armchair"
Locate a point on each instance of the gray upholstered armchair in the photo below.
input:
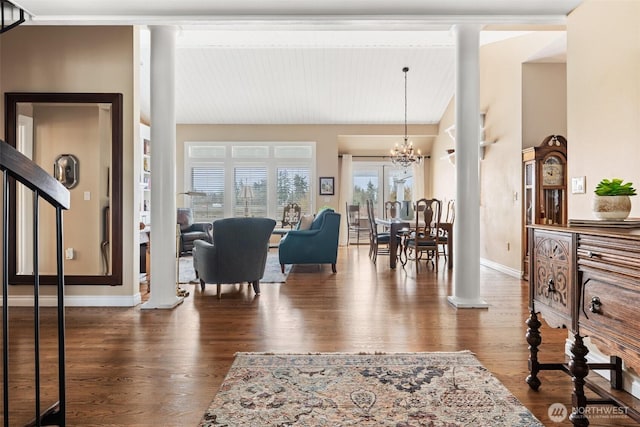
(191, 231)
(238, 253)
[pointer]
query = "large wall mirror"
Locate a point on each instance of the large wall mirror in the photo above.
(78, 137)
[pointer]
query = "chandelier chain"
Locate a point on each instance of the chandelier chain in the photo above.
(405, 103)
(403, 154)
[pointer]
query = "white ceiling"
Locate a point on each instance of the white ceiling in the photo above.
(304, 61)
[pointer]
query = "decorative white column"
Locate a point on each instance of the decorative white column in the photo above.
(466, 233)
(163, 169)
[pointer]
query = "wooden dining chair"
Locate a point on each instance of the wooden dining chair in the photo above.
(378, 241)
(443, 235)
(354, 223)
(373, 231)
(291, 215)
(392, 209)
(424, 238)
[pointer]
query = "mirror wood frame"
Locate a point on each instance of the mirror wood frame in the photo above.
(12, 99)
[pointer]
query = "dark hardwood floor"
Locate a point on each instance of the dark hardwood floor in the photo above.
(133, 367)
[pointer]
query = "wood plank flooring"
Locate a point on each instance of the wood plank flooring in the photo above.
(133, 367)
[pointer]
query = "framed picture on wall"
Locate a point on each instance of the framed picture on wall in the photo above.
(326, 186)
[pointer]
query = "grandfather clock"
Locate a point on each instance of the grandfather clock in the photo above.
(544, 178)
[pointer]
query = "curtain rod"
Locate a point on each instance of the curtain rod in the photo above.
(382, 156)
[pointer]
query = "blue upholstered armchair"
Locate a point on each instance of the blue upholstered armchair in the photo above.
(318, 245)
(238, 253)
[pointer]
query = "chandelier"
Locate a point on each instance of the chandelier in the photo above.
(405, 155)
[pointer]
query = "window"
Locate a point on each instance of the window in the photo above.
(366, 185)
(293, 187)
(250, 184)
(209, 180)
(249, 178)
(399, 184)
(380, 182)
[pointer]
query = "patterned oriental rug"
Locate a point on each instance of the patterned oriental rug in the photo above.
(337, 389)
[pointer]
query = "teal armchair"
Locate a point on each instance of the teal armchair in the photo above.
(238, 253)
(318, 245)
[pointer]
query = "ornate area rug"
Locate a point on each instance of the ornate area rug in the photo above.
(272, 272)
(336, 389)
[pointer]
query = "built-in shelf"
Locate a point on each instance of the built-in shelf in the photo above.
(451, 131)
(145, 175)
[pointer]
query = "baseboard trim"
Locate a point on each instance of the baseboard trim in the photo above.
(78, 300)
(501, 268)
(458, 302)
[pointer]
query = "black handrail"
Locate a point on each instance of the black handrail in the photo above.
(14, 165)
(33, 176)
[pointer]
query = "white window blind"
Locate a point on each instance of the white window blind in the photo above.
(249, 178)
(209, 180)
(251, 191)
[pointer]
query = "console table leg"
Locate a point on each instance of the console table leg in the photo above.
(534, 339)
(579, 370)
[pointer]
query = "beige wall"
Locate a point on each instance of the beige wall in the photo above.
(603, 74)
(80, 59)
(502, 98)
(443, 173)
(544, 102)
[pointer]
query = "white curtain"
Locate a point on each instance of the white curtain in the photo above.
(418, 182)
(346, 195)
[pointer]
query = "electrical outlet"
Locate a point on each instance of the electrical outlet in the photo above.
(69, 253)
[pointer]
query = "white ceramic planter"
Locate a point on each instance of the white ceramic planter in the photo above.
(614, 208)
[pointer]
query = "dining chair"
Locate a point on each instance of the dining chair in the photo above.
(443, 235)
(378, 242)
(291, 215)
(392, 209)
(372, 227)
(354, 222)
(424, 238)
(418, 209)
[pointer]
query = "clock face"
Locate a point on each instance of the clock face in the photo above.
(552, 171)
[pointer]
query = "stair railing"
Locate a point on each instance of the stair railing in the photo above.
(16, 167)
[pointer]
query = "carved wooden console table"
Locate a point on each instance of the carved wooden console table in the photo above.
(587, 280)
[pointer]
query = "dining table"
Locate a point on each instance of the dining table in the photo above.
(398, 226)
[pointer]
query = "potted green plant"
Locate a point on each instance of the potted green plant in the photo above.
(612, 201)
